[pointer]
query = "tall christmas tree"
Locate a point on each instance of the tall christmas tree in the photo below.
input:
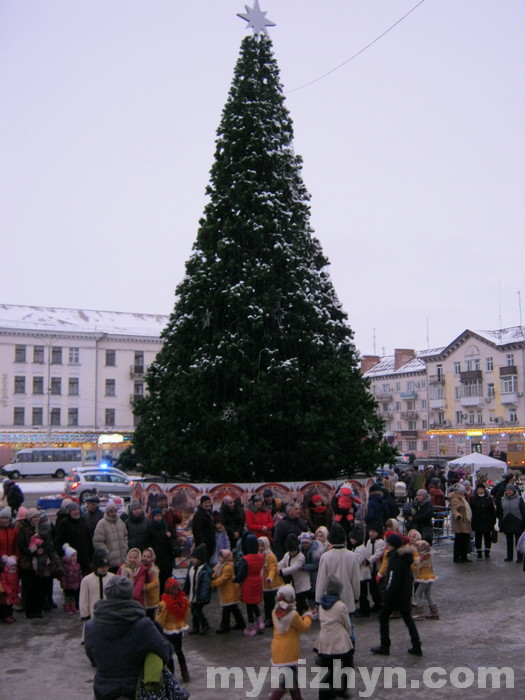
(258, 377)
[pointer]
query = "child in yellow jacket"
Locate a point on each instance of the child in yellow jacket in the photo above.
(272, 579)
(229, 592)
(288, 626)
(173, 614)
(424, 576)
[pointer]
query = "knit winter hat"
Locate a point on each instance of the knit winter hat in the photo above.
(256, 497)
(267, 493)
(31, 512)
(286, 593)
(100, 558)
(71, 507)
(421, 492)
(510, 487)
(199, 553)
(22, 512)
(156, 511)
(92, 499)
(356, 534)
(337, 534)
(306, 537)
(376, 526)
(9, 561)
(204, 499)
(6, 512)
(119, 588)
(135, 504)
(459, 489)
(317, 499)
(111, 506)
(65, 503)
(171, 586)
(334, 585)
(394, 540)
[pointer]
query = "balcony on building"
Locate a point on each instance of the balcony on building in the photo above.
(409, 415)
(409, 434)
(412, 394)
(133, 398)
(137, 370)
(508, 370)
(386, 415)
(384, 396)
(470, 375)
(437, 403)
(436, 379)
(472, 400)
(510, 399)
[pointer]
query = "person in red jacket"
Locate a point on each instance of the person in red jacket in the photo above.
(249, 576)
(258, 520)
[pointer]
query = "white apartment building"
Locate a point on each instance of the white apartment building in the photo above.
(450, 401)
(70, 375)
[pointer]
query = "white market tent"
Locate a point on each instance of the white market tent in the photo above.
(476, 462)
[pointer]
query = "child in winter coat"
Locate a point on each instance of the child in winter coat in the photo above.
(9, 588)
(93, 585)
(172, 615)
(424, 576)
(288, 625)
(312, 553)
(71, 579)
(133, 569)
(334, 640)
(222, 541)
(272, 579)
(229, 592)
(321, 536)
(343, 505)
(292, 564)
(151, 587)
(359, 549)
(249, 575)
(375, 550)
(197, 587)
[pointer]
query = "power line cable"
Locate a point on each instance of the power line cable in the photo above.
(315, 80)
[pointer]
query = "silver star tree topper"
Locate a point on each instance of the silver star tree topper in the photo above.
(256, 18)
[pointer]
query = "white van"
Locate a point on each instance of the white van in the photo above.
(36, 461)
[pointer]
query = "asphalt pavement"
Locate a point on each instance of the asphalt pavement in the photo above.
(482, 621)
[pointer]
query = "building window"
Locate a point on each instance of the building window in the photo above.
(398, 405)
(18, 416)
(412, 425)
(56, 385)
(386, 388)
(457, 393)
(473, 365)
(489, 364)
(423, 384)
(398, 386)
(74, 356)
(479, 418)
(138, 363)
(457, 367)
(111, 358)
(510, 359)
(424, 424)
(411, 386)
(471, 417)
(440, 418)
(110, 388)
(73, 386)
(138, 390)
(509, 384)
(38, 385)
(20, 353)
(423, 404)
(472, 387)
(513, 416)
(72, 416)
(20, 385)
(38, 354)
(439, 372)
(38, 416)
(491, 391)
(436, 391)
(412, 445)
(56, 356)
(136, 421)
(385, 405)
(54, 416)
(459, 417)
(109, 417)
(411, 405)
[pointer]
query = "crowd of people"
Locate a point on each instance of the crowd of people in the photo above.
(275, 565)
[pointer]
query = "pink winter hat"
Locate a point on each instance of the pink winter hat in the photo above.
(22, 512)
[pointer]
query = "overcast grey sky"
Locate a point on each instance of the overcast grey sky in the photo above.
(414, 152)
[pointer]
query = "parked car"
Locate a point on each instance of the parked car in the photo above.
(102, 481)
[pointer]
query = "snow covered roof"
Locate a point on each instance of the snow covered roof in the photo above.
(47, 319)
(387, 365)
(504, 336)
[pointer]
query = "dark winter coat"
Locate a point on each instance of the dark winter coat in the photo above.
(116, 642)
(137, 527)
(92, 521)
(165, 547)
(197, 585)
(509, 521)
(483, 513)
(233, 521)
(286, 527)
(14, 497)
(76, 534)
(398, 590)
(421, 519)
(376, 510)
(204, 530)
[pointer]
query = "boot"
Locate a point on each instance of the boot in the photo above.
(251, 629)
(434, 614)
(381, 650)
(183, 667)
(239, 619)
(419, 613)
(73, 608)
(478, 552)
(487, 554)
(67, 608)
(260, 624)
(415, 650)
